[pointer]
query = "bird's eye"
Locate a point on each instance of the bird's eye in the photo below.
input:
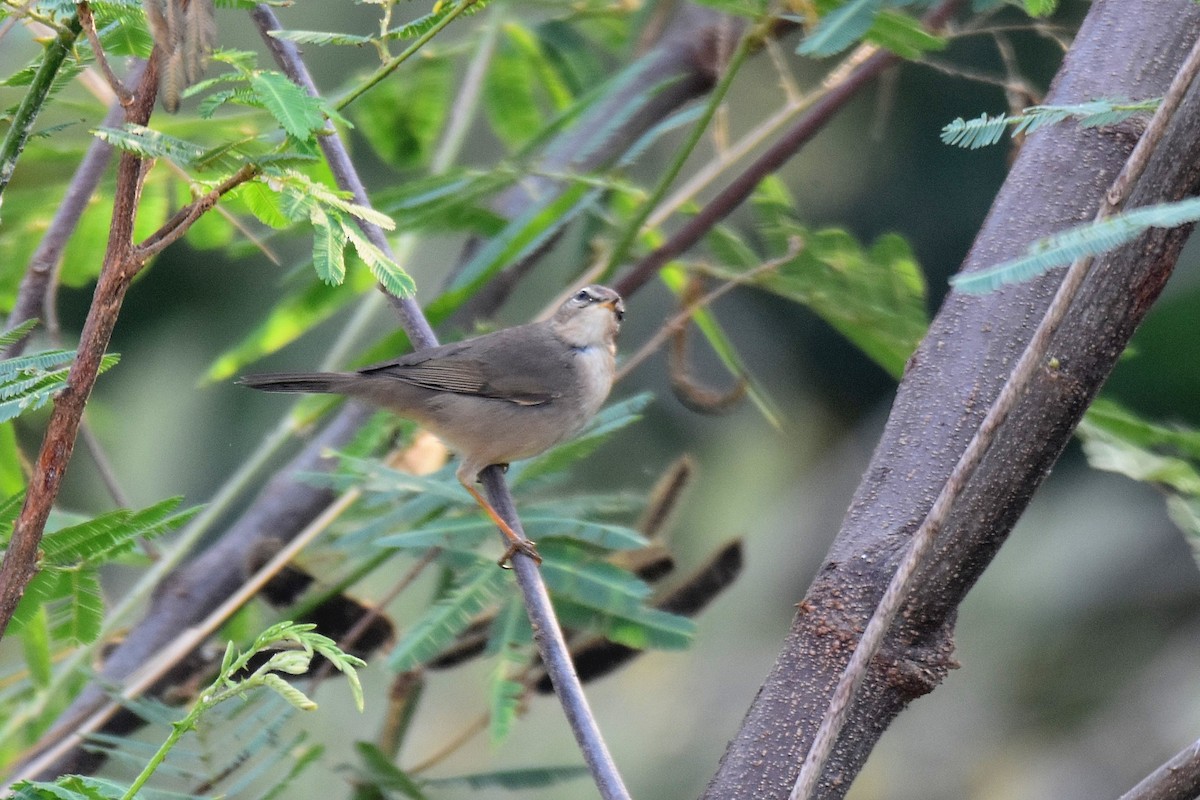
(583, 296)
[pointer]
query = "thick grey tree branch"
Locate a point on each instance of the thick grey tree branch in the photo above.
(1129, 49)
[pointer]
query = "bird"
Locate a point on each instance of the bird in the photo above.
(495, 398)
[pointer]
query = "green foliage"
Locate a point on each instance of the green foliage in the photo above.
(513, 780)
(987, 130)
(449, 616)
(874, 296)
(67, 586)
(596, 595)
(1116, 439)
(840, 28)
(1040, 8)
(28, 382)
(377, 771)
(290, 648)
(510, 643)
(877, 22)
(1089, 239)
(402, 119)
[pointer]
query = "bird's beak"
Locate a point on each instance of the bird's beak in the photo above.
(617, 307)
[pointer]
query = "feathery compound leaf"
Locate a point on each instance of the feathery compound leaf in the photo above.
(329, 247)
(148, 143)
(15, 335)
(840, 28)
(298, 113)
(448, 617)
(508, 640)
(988, 130)
(320, 37)
(28, 382)
(391, 275)
(1090, 239)
(977, 133)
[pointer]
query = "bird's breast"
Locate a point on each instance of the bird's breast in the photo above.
(594, 367)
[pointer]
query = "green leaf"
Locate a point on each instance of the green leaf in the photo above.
(105, 536)
(298, 113)
(1165, 456)
(1088, 239)
(840, 28)
(450, 534)
(513, 779)
(510, 91)
(35, 643)
(329, 247)
(448, 617)
(29, 382)
(148, 143)
(402, 119)
(379, 771)
(1040, 8)
(611, 419)
(595, 584)
(263, 202)
(903, 35)
(509, 640)
(874, 297)
(982, 132)
(607, 536)
(12, 480)
(391, 275)
(86, 609)
(320, 37)
(1116, 440)
(987, 130)
(11, 337)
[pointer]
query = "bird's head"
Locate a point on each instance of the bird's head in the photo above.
(590, 317)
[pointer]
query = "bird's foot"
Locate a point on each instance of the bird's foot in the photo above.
(524, 547)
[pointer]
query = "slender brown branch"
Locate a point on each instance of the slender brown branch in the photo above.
(174, 229)
(84, 10)
(119, 269)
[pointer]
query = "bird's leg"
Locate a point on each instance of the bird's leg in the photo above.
(516, 544)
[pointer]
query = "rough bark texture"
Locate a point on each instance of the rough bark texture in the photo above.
(1126, 48)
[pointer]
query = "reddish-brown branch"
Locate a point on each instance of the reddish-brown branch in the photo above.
(120, 266)
(173, 229)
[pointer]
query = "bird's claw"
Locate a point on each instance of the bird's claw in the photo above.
(525, 547)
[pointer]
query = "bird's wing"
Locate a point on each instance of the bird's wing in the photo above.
(526, 365)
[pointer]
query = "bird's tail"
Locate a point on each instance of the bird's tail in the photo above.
(322, 382)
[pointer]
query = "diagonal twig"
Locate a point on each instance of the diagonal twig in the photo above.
(774, 157)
